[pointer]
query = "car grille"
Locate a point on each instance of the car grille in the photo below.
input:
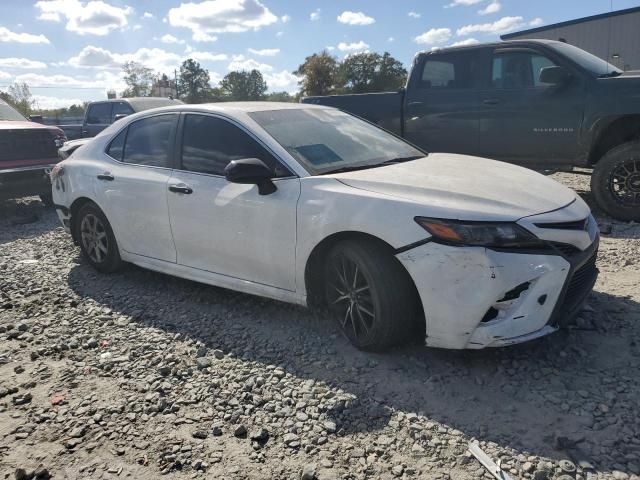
(27, 144)
(566, 250)
(581, 283)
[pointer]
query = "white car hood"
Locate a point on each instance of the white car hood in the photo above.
(464, 187)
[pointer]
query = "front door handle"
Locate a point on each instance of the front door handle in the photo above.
(491, 101)
(414, 104)
(105, 176)
(181, 188)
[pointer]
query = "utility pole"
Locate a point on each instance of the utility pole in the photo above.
(175, 79)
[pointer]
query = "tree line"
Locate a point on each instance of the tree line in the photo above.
(319, 74)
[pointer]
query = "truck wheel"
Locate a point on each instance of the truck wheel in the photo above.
(97, 242)
(615, 182)
(370, 294)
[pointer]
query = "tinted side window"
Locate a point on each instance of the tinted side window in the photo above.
(120, 108)
(116, 147)
(99, 114)
(148, 141)
(210, 143)
(518, 69)
(449, 71)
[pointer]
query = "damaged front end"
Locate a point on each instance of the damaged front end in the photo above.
(479, 296)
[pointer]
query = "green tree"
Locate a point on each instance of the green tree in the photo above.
(193, 82)
(371, 72)
(242, 86)
(19, 97)
(138, 79)
(319, 74)
(279, 97)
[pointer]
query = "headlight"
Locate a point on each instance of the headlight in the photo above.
(482, 234)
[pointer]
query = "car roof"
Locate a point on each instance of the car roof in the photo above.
(506, 43)
(244, 107)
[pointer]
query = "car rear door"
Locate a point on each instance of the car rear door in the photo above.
(97, 119)
(441, 103)
(523, 120)
(228, 228)
(132, 186)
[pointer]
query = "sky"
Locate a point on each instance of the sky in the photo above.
(69, 51)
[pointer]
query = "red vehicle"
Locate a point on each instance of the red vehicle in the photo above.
(28, 151)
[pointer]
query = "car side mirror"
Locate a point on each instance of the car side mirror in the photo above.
(251, 171)
(36, 118)
(554, 75)
(119, 116)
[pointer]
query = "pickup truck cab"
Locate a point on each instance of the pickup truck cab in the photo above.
(542, 104)
(99, 115)
(28, 152)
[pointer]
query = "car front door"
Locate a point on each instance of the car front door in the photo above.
(98, 118)
(228, 228)
(441, 104)
(525, 121)
(132, 189)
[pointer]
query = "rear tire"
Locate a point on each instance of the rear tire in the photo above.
(615, 182)
(96, 239)
(371, 295)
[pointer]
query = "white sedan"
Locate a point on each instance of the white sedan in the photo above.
(313, 206)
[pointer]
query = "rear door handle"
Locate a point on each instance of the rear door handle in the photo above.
(414, 104)
(491, 101)
(181, 188)
(105, 176)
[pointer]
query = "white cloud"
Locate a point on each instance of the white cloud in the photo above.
(505, 24)
(4, 75)
(220, 16)
(95, 17)
(468, 41)
(101, 81)
(464, 3)
(391, 39)
(282, 81)
(147, 15)
(208, 56)
(154, 58)
(414, 14)
(353, 47)
(355, 18)
(203, 37)
(435, 36)
(136, 27)
(240, 62)
(279, 34)
(168, 38)
(285, 18)
(494, 7)
(536, 22)
(7, 35)
(25, 63)
(46, 102)
(265, 52)
(315, 15)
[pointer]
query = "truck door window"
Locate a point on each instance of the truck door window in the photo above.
(518, 69)
(99, 114)
(121, 108)
(451, 72)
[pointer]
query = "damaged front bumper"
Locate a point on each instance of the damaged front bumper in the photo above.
(476, 297)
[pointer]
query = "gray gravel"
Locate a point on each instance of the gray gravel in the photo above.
(139, 375)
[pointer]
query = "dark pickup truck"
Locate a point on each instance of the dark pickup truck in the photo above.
(99, 115)
(542, 104)
(28, 151)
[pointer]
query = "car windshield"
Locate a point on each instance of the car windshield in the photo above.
(586, 60)
(327, 140)
(8, 113)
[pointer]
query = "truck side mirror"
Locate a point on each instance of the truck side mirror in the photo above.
(119, 116)
(554, 75)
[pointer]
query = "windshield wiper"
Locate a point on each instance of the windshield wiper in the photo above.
(400, 160)
(351, 168)
(610, 74)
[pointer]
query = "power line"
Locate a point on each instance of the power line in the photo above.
(58, 86)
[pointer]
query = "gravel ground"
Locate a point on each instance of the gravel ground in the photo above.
(139, 375)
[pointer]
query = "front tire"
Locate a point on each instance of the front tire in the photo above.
(615, 182)
(97, 242)
(370, 294)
